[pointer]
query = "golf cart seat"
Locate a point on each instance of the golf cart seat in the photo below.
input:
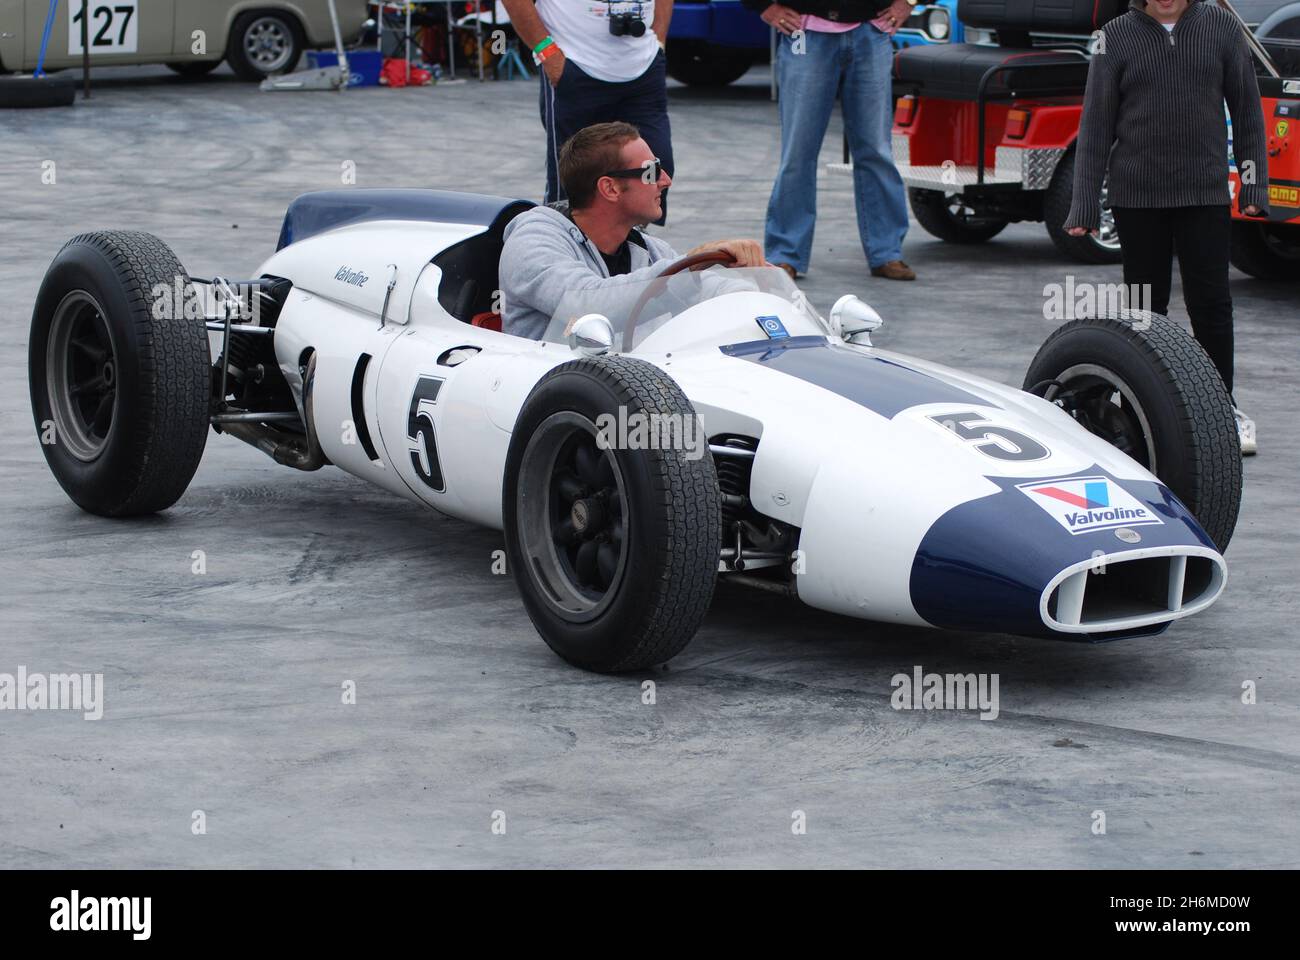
(956, 71)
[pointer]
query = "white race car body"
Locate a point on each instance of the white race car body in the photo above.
(921, 495)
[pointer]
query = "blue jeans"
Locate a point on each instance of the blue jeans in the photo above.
(855, 65)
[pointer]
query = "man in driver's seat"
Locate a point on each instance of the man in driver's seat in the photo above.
(593, 241)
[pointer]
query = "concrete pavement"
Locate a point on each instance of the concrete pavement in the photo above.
(223, 689)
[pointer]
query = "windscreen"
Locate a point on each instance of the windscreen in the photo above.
(645, 305)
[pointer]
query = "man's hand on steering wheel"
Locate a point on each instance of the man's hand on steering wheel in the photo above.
(747, 253)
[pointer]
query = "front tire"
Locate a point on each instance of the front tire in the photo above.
(615, 551)
(1103, 248)
(193, 69)
(264, 43)
(947, 218)
(120, 397)
(1145, 385)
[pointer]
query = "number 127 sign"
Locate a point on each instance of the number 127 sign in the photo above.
(113, 26)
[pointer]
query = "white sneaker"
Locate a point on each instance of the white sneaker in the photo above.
(1246, 432)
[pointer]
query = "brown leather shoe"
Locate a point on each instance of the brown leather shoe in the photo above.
(790, 270)
(894, 270)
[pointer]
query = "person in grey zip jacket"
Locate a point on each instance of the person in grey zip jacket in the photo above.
(593, 242)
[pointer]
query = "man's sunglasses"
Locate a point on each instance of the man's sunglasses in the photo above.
(643, 172)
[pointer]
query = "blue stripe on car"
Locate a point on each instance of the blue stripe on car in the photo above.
(880, 385)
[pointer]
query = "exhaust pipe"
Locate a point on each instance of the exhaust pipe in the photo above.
(301, 453)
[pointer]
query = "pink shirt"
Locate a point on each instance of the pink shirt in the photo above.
(821, 25)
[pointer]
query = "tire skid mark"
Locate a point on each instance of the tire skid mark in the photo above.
(1080, 729)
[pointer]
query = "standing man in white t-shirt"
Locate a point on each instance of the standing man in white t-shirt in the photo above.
(601, 61)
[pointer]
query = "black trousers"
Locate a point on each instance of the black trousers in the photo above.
(580, 100)
(1201, 236)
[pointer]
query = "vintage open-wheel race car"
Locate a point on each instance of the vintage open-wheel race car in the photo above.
(717, 425)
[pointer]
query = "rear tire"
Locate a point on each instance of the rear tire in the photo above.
(615, 552)
(119, 396)
(937, 214)
(1266, 251)
(264, 43)
(1105, 247)
(1168, 408)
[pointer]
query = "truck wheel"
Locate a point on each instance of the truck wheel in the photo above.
(1267, 251)
(948, 218)
(615, 550)
(1143, 383)
(1103, 248)
(30, 92)
(120, 396)
(698, 63)
(193, 69)
(264, 42)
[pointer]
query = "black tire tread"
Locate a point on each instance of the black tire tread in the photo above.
(1212, 447)
(1251, 256)
(24, 92)
(686, 554)
(192, 69)
(174, 361)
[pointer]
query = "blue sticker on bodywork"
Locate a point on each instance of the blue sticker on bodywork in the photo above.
(878, 384)
(773, 327)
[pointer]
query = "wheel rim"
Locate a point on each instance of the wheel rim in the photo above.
(572, 517)
(1107, 407)
(81, 376)
(1107, 235)
(267, 44)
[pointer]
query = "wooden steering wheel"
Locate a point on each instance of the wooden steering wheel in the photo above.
(692, 262)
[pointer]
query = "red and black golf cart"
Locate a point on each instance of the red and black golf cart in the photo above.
(984, 133)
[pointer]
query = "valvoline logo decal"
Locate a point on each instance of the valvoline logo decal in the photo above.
(1085, 504)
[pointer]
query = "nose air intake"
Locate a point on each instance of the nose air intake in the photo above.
(1132, 590)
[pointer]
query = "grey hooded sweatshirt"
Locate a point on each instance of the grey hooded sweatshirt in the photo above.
(546, 256)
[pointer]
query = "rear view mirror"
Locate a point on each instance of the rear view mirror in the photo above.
(591, 335)
(852, 320)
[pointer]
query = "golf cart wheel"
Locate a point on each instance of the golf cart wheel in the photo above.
(119, 395)
(614, 549)
(947, 218)
(1266, 251)
(264, 43)
(1103, 248)
(193, 68)
(1143, 383)
(32, 92)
